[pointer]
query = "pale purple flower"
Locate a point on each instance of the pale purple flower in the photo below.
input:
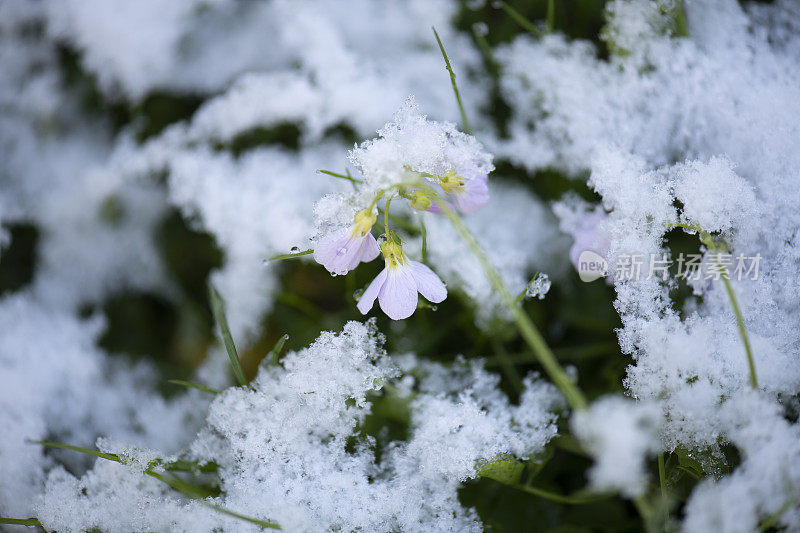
(590, 237)
(396, 287)
(473, 195)
(462, 194)
(342, 250)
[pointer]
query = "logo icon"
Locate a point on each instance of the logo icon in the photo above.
(591, 266)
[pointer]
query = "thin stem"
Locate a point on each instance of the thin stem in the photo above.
(464, 120)
(560, 498)
(644, 510)
(551, 16)
(662, 480)
(526, 327)
(521, 20)
(485, 48)
(424, 234)
(772, 519)
(191, 385)
(709, 242)
(386, 215)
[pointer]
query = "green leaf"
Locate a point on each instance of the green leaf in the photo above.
(218, 308)
(292, 255)
(20, 521)
(504, 469)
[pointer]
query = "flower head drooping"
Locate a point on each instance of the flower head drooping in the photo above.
(396, 287)
(462, 194)
(468, 194)
(343, 250)
(413, 148)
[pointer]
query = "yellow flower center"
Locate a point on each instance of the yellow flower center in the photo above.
(363, 222)
(420, 200)
(451, 182)
(393, 254)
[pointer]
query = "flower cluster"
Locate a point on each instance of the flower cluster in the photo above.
(436, 169)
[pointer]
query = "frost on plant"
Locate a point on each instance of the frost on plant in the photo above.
(572, 233)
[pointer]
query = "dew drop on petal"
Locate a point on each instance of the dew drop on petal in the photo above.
(342, 251)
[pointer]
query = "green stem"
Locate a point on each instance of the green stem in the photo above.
(521, 20)
(424, 234)
(709, 242)
(772, 519)
(662, 480)
(560, 498)
(486, 49)
(526, 327)
(551, 16)
(386, 215)
(191, 385)
(464, 120)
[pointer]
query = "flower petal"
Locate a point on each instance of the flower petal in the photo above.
(428, 283)
(368, 250)
(367, 299)
(337, 251)
(398, 297)
(474, 196)
(325, 252)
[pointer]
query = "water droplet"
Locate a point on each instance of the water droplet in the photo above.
(334, 274)
(381, 239)
(480, 28)
(497, 5)
(294, 249)
(357, 294)
(342, 251)
(434, 308)
(475, 4)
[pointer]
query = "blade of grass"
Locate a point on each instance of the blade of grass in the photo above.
(276, 350)
(20, 521)
(551, 16)
(291, 255)
(521, 20)
(348, 177)
(218, 308)
(176, 484)
(192, 385)
(464, 120)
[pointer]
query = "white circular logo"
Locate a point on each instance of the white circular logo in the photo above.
(591, 266)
